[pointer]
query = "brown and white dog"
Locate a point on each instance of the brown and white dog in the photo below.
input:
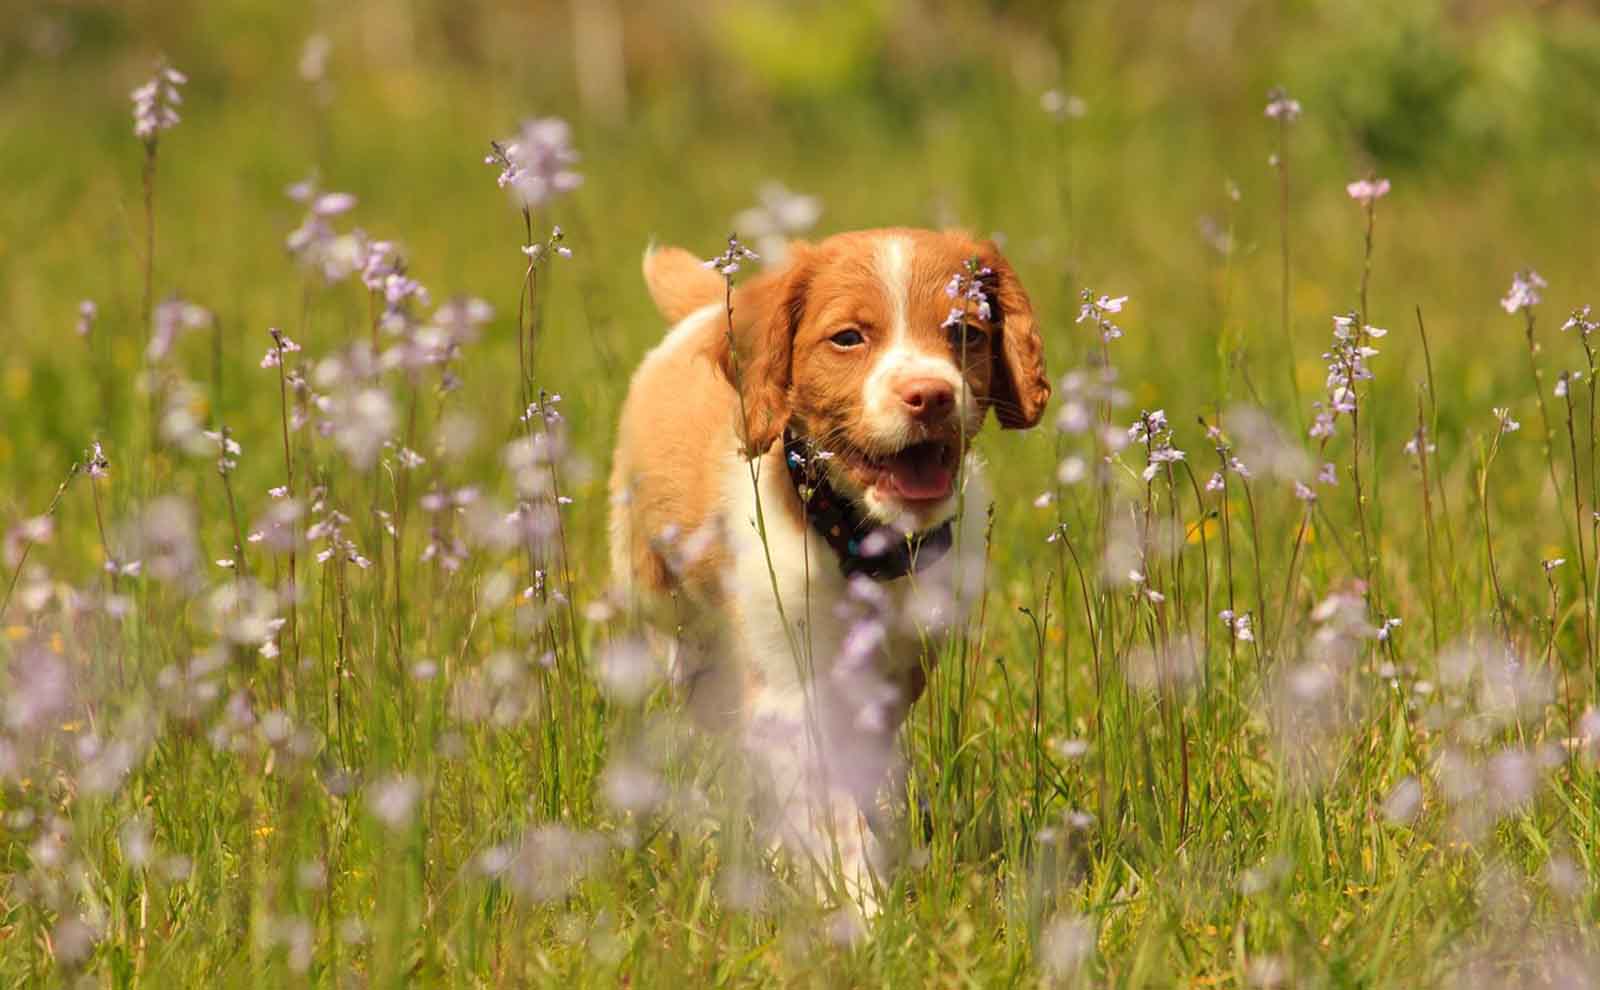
(785, 489)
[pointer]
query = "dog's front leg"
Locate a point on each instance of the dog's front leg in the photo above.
(823, 778)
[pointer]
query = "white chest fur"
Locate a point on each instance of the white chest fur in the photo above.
(795, 618)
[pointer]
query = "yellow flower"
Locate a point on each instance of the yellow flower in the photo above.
(1208, 529)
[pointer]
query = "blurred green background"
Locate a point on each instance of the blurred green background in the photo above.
(892, 111)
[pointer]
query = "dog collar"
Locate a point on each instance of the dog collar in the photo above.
(882, 553)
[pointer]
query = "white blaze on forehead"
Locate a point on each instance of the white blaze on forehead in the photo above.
(900, 358)
(892, 261)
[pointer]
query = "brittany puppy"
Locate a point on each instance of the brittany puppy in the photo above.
(794, 501)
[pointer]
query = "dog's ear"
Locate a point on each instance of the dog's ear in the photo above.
(1021, 387)
(756, 354)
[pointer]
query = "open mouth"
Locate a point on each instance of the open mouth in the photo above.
(923, 472)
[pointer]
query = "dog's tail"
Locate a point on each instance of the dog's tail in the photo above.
(679, 282)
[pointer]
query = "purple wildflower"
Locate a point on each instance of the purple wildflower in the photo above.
(393, 800)
(536, 165)
(281, 344)
(376, 262)
(1524, 292)
(98, 466)
(35, 529)
(88, 312)
(1281, 107)
(228, 450)
(1347, 367)
(1580, 321)
(40, 691)
(1403, 802)
(1238, 623)
(277, 528)
(727, 263)
(1368, 191)
(1152, 430)
(155, 103)
(552, 245)
(329, 531)
(965, 288)
(1419, 443)
(361, 421)
(1100, 310)
(627, 671)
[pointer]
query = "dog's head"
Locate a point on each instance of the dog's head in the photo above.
(854, 345)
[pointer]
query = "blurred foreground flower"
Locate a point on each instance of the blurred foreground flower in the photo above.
(393, 800)
(546, 863)
(1065, 945)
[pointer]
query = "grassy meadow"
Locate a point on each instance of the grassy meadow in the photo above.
(311, 673)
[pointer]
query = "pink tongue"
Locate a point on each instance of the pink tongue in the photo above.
(919, 478)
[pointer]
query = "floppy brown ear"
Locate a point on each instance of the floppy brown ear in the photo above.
(757, 356)
(1021, 386)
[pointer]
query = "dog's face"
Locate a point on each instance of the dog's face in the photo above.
(855, 346)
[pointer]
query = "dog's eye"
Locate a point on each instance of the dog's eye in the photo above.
(848, 338)
(966, 336)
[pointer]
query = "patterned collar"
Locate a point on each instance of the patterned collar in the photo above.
(881, 553)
